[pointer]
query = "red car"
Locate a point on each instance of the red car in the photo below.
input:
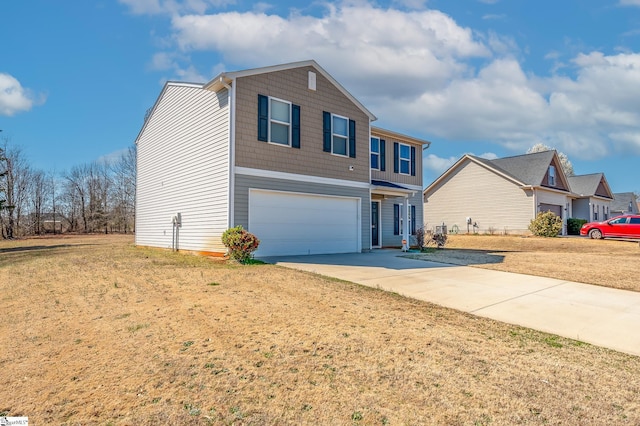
(626, 226)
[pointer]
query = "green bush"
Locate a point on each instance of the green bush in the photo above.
(546, 224)
(241, 243)
(574, 225)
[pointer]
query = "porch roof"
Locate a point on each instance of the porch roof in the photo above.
(390, 188)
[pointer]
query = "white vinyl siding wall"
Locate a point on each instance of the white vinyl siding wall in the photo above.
(488, 199)
(183, 167)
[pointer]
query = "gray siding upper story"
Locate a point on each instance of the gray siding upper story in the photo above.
(388, 174)
(292, 85)
(243, 183)
(183, 167)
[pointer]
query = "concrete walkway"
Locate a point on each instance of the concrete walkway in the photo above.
(597, 315)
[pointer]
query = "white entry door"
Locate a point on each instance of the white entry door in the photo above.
(290, 223)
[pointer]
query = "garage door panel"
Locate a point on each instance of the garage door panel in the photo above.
(288, 223)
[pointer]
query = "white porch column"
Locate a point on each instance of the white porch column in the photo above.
(405, 225)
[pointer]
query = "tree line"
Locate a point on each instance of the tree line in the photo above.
(93, 197)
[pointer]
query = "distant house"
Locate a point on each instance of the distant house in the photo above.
(593, 197)
(286, 152)
(500, 195)
(505, 194)
(624, 203)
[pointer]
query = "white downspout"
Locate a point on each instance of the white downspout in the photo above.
(232, 150)
(405, 225)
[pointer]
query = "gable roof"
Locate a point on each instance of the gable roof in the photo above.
(225, 79)
(588, 185)
(523, 170)
(622, 201)
(528, 168)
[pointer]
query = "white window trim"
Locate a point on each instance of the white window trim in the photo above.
(376, 153)
(273, 120)
(401, 158)
(335, 134)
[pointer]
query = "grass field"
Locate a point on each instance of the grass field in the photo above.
(95, 331)
(609, 263)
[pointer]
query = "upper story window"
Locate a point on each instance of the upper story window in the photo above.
(339, 135)
(375, 153)
(378, 159)
(278, 121)
(404, 159)
(552, 176)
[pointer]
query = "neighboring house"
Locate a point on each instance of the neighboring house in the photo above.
(501, 195)
(624, 203)
(593, 197)
(286, 152)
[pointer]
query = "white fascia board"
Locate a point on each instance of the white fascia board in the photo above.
(159, 98)
(228, 76)
(247, 171)
(378, 131)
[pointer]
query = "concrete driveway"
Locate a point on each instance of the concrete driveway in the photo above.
(597, 315)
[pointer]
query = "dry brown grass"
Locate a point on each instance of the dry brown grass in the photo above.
(96, 331)
(609, 263)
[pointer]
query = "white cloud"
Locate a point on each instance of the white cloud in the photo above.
(630, 2)
(488, 156)
(432, 78)
(172, 7)
(13, 97)
(494, 17)
(436, 164)
(428, 50)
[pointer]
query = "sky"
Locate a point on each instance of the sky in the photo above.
(485, 77)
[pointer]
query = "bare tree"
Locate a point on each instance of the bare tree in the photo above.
(566, 165)
(37, 192)
(16, 178)
(124, 191)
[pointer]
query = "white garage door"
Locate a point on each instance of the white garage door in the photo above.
(291, 223)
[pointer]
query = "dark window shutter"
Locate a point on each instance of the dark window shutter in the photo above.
(413, 220)
(263, 118)
(396, 157)
(396, 219)
(352, 139)
(382, 155)
(413, 161)
(295, 126)
(326, 131)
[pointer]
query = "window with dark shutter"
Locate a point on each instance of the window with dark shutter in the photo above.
(338, 135)
(326, 131)
(295, 126)
(352, 139)
(396, 159)
(278, 121)
(413, 161)
(396, 219)
(263, 118)
(383, 159)
(413, 220)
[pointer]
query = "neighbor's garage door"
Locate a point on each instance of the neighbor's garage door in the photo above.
(291, 223)
(551, 208)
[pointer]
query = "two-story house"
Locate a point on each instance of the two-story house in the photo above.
(286, 152)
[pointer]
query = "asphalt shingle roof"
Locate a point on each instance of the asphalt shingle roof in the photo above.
(585, 185)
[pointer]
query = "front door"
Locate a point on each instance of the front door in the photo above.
(375, 223)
